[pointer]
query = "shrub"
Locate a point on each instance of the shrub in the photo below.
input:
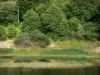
(34, 39)
(2, 33)
(22, 40)
(39, 39)
(12, 31)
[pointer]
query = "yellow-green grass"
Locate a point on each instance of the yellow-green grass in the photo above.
(76, 44)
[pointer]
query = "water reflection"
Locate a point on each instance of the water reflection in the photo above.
(92, 70)
(62, 71)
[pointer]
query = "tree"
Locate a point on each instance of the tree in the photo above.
(80, 32)
(31, 21)
(82, 9)
(53, 19)
(2, 33)
(90, 31)
(41, 8)
(24, 5)
(59, 3)
(8, 12)
(73, 25)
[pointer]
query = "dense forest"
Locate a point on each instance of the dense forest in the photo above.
(36, 22)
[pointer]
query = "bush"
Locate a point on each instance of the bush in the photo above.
(22, 40)
(12, 31)
(34, 39)
(2, 33)
(39, 39)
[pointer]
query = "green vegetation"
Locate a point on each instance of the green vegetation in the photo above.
(2, 33)
(52, 33)
(31, 21)
(8, 11)
(55, 23)
(58, 19)
(75, 44)
(5, 51)
(12, 31)
(66, 54)
(34, 39)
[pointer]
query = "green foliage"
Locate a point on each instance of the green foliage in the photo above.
(59, 3)
(41, 8)
(22, 39)
(52, 17)
(82, 9)
(2, 33)
(34, 39)
(31, 21)
(73, 27)
(12, 31)
(25, 5)
(80, 32)
(54, 22)
(39, 38)
(90, 31)
(8, 11)
(57, 19)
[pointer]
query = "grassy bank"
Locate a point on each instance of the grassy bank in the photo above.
(60, 54)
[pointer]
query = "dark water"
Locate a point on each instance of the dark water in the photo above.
(93, 70)
(50, 71)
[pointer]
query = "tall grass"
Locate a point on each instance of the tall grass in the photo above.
(76, 44)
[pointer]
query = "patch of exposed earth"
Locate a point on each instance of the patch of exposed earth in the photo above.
(10, 44)
(6, 44)
(97, 49)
